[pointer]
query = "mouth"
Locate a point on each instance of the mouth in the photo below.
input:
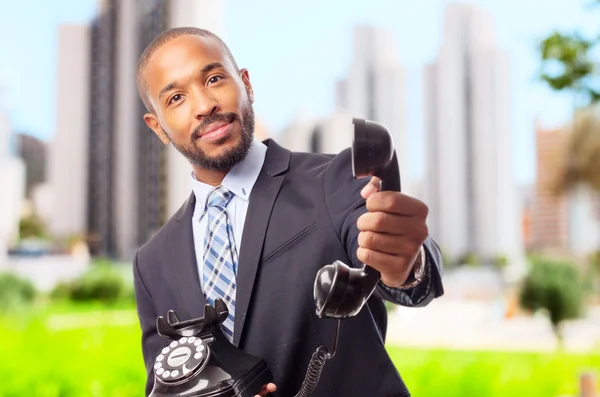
(216, 131)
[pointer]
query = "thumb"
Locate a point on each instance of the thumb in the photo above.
(373, 186)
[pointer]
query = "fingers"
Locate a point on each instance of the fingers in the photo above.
(269, 388)
(396, 203)
(388, 244)
(373, 186)
(396, 225)
(391, 265)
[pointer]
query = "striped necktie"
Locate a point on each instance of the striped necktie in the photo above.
(220, 256)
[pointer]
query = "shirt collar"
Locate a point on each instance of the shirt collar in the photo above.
(240, 179)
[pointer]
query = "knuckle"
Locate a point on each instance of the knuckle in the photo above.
(369, 239)
(379, 220)
(371, 202)
(422, 231)
(360, 222)
(364, 255)
(413, 247)
(424, 210)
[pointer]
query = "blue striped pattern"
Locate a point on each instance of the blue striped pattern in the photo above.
(220, 256)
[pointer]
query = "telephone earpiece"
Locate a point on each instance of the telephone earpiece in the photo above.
(339, 290)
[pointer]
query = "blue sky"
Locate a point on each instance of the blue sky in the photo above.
(295, 51)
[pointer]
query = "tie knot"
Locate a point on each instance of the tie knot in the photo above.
(219, 197)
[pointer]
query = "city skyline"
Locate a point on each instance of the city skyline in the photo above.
(517, 33)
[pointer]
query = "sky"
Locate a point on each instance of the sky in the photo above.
(295, 51)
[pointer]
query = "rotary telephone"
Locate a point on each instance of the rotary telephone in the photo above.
(201, 362)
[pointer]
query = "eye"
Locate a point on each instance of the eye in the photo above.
(175, 98)
(214, 79)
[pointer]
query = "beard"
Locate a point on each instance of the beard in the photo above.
(231, 156)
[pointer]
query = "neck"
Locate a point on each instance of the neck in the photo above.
(210, 177)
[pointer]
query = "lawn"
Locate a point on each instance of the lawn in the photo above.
(81, 351)
(447, 373)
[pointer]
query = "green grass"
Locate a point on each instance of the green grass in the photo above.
(447, 373)
(85, 350)
(97, 355)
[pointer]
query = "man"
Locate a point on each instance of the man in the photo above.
(278, 217)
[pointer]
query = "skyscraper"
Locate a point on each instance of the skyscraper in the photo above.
(101, 139)
(136, 183)
(470, 187)
(68, 150)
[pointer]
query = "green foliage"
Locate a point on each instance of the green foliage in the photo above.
(556, 288)
(570, 63)
(446, 262)
(567, 65)
(594, 261)
(390, 307)
(31, 227)
(500, 261)
(15, 292)
(469, 259)
(103, 282)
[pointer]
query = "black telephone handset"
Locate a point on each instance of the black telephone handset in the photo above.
(201, 362)
(341, 291)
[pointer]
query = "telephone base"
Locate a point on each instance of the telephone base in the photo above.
(201, 362)
(245, 386)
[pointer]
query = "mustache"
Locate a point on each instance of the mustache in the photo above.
(226, 117)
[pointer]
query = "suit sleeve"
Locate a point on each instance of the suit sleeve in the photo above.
(152, 343)
(346, 205)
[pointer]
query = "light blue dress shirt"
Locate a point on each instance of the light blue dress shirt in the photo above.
(239, 180)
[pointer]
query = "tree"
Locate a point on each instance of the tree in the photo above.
(556, 289)
(568, 64)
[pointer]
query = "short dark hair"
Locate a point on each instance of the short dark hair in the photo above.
(164, 38)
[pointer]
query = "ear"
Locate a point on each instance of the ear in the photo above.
(246, 80)
(154, 125)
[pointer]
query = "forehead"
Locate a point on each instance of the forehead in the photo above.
(180, 57)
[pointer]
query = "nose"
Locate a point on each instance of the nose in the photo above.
(204, 105)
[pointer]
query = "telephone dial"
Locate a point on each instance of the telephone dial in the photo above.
(201, 362)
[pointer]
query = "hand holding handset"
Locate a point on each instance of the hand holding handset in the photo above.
(201, 362)
(341, 291)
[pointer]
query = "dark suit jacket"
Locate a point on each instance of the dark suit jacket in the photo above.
(302, 215)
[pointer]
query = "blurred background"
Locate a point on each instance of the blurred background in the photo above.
(495, 111)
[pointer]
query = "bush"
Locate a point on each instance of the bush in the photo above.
(500, 261)
(469, 259)
(31, 227)
(101, 283)
(556, 288)
(15, 292)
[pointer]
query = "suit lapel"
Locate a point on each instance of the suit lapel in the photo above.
(183, 256)
(261, 202)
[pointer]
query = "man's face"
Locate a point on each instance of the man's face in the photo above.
(201, 103)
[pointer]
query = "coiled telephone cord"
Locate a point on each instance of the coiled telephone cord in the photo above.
(315, 367)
